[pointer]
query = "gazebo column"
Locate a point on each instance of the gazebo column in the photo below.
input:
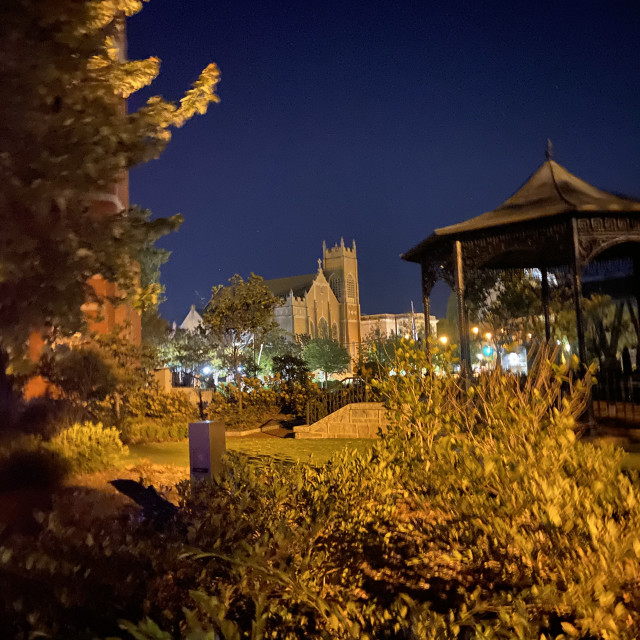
(463, 325)
(576, 270)
(636, 294)
(545, 303)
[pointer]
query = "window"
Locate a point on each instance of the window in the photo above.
(335, 282)
(351, 288)
(334, 331)
(323, 328)
(311, 330)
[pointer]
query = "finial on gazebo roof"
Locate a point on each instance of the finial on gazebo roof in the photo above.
(548, 154)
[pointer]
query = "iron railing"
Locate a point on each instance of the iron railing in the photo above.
(327, 402)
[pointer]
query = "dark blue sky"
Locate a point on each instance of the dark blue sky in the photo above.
(378, 121)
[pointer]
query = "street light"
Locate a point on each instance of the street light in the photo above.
(444, 339)
(488, 335)
(475, 331)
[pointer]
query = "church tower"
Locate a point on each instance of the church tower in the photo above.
(341, 270)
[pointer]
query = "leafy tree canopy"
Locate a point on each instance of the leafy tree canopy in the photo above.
(188, 350)
(65, 140)
(326, 355)
(238, 317)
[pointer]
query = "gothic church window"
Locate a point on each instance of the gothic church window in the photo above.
(335, 282)
(323, 328)
(351, 288)
(334, 331)
(311, 330)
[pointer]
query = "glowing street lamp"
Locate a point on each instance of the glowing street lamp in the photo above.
(475, 331)
(444, 339)
(488, 335)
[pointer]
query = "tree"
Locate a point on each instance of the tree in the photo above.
(378, 353)
(188, 350)
(326, 355)
(64, 137)
(237, 316)
(150, 259)
(292, 369)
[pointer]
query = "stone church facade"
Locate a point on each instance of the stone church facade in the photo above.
(324, 303)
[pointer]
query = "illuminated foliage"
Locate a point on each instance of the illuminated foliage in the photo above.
(65, 140)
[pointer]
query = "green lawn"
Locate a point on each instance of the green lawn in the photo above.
(316, 451)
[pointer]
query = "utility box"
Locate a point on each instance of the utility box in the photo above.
(206, 447)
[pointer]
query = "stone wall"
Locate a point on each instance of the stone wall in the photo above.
(358, 420)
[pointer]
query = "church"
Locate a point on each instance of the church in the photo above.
(323, 303)
(319, 304)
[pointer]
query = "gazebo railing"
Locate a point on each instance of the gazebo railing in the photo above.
(616, 396)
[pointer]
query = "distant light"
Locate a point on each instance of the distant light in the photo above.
(406, 335)
(567, 347)
(487, 350)
(444, 339)
(488, 335)
(529, 336)
(206, 370)
(475, 331)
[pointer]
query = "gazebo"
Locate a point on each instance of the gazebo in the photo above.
(555, 220)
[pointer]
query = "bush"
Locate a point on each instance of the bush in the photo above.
(83, 374)
(152, 403)
(479, 515)
(259, 404)
(142, 430)
(25, 463)
(47, 417)
(88, 447)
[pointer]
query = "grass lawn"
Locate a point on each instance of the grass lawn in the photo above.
(316, 451)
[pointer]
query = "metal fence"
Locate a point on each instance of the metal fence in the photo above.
(616, 396)
(329, 401)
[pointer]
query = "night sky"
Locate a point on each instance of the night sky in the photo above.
(376, 121)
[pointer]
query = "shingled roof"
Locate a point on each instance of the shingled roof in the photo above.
(550, 191)
(298, 284)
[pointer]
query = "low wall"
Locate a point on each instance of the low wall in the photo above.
(358, 420)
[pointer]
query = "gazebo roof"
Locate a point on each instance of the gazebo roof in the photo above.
(550, 191)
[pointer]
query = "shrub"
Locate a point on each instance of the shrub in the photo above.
(479, 515)
(152, 403)
(83, 374)
(88, 447)
(259, 404)
(142, 430)
(47, 417)
(25, 463)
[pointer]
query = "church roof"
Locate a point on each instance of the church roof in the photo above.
(550, 191)
(192, 321)
(298, 284)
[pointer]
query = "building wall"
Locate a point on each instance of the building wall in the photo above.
(323, 309)
(389, 324)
